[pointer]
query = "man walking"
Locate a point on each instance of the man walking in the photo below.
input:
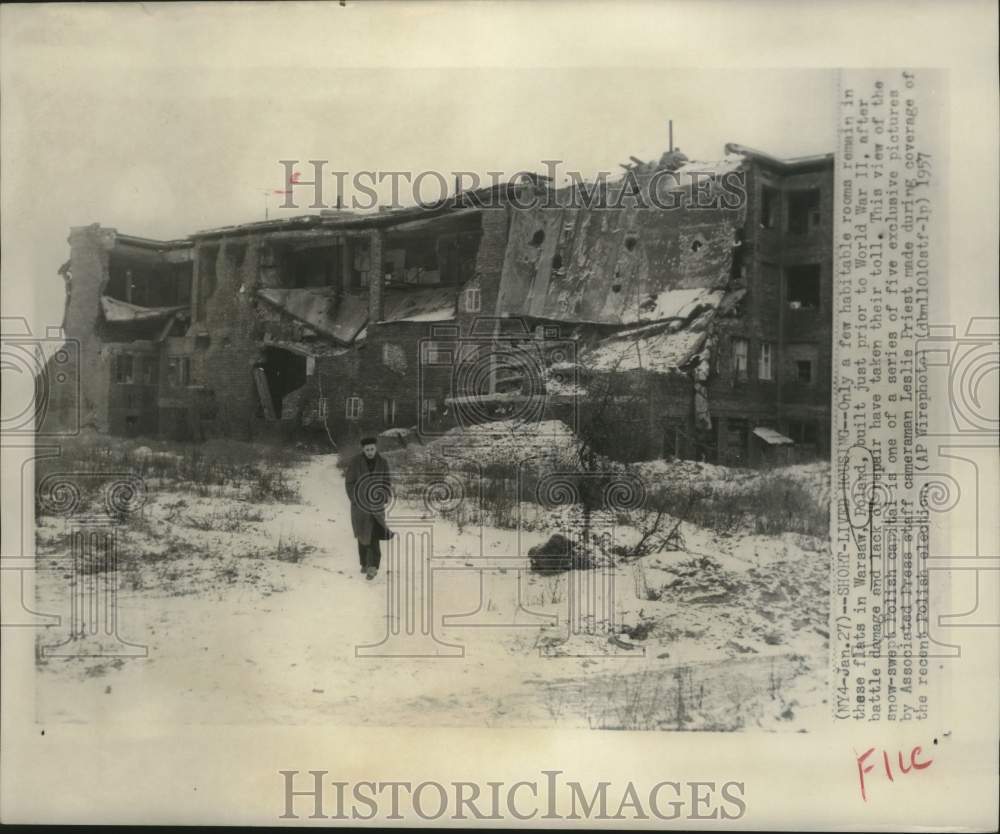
(369, 487)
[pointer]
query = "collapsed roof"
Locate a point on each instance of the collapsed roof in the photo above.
(122, 312)
(344, 316)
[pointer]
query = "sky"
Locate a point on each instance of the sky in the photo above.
(163, 120)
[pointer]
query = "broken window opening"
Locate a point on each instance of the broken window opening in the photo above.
(423, 258)
(802, 287)
(236, 254)
(124, 369)
(804, 370)
(150, 370)
(178, 371)
(803, 211)
(146, 283)
(741, 349)
(769, 207)
(314, 266)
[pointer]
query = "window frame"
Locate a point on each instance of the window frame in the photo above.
(390, 411)
(770, 198)
(120, 366)
(739, 372)
(768, 348)
(789, 271)
(813, 214)
(355, 405)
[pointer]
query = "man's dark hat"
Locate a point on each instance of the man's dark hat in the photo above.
(369, 439)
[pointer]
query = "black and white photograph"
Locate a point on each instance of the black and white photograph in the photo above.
(363, 384)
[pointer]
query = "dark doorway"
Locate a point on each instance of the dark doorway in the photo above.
(285, 372)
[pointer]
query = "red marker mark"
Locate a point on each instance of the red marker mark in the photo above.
(904, 769)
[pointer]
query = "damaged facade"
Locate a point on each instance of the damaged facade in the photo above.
(348, 323)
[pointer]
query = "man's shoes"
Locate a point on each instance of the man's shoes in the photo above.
(371, 573)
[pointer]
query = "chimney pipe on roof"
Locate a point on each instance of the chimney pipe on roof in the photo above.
(670, 132)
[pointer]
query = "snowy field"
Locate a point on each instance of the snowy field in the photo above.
(252, 609)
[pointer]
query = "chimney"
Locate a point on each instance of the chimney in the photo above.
(376, 276)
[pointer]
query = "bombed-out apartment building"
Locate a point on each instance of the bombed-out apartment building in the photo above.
(413, 321)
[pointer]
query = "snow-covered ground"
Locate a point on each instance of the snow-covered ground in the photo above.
(252, 613)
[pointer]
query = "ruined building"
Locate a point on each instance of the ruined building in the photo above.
(718, 309)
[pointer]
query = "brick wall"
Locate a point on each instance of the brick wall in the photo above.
(768, 318)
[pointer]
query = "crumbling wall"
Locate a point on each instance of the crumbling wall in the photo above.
(89, 269)
(613, 266)
(222, 340)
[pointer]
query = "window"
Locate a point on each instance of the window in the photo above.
(803, 431)
(768, 208)
(124, 369)
(354, 408)
(804, 370)
(473, 300)
(737, 439)
(150, 370)
(322, 406)
(802, 287)
(428, 409)
(765, 361)
(803, 211)
(179, 370)
(389, 412)
(436, 353)
(206, 278)
(740, 351)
